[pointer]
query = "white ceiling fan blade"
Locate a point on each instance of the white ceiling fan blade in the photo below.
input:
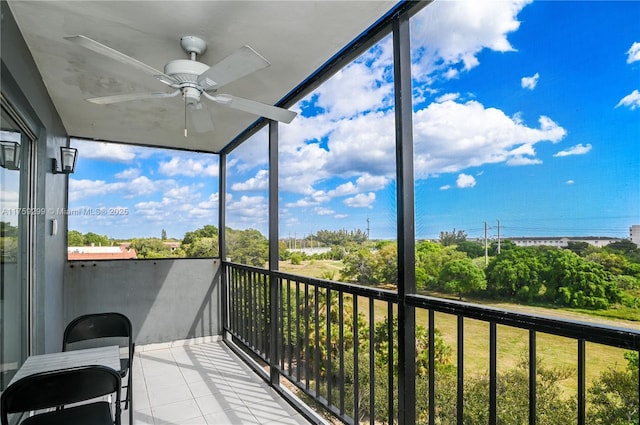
(107, 51)
(253, 107)
(106, 100)
(201, 118)
(243, 61)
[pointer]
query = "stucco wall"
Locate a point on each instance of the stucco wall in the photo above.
(165, 299)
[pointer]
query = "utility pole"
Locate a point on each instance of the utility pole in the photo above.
(486, 246)
(498, 236)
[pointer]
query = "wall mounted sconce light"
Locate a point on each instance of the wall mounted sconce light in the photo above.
(10, 155)
(68, 158)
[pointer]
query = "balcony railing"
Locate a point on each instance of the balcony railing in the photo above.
(329, 340)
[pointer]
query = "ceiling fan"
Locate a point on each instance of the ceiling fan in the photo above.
(195, 80)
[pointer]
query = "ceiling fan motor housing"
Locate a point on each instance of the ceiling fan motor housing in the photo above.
(186, 73)
(185, 70)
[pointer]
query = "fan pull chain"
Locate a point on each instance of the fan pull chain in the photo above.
(185, 115)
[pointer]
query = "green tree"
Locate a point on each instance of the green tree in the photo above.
(517, 272)
(7, 230)
(453, 237)
(471, 248)
(576, 282)
(613, 396)
(95, 239)
(247, 247)
(387, 264)
(296, 258)
(462, 277)
(8, 249)
(75, 238)
(513, 398)
(207, 231)
(360, 267)
(612, 262)
(151, 248)
(625, 247)
(202, 247)
(341, 237)
(580, 248)
(430, 260)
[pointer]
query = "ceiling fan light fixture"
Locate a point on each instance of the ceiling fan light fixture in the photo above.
(191, 95)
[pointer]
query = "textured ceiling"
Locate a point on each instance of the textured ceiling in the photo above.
(297, 37)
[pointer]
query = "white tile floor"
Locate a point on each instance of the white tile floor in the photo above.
(203, 384)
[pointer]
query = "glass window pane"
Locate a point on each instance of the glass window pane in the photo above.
(13, 312)
(525, 128)
(337, 173)
(247, 212)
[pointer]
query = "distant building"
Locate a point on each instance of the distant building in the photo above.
(172, 245)
(312, 251)
(101, 253)
(563, 241)
(634, 234)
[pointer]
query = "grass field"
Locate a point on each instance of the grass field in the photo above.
(513, 343)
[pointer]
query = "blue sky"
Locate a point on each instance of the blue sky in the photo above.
(524, 112)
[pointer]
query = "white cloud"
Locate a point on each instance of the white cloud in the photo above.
(139, 186)
(355, 88)
(570, 182)
(9, 199)
(104, 151)
(130, 173)
(324, 211)
(365, 144)
(361, 200)
(465, 181)
(364, 183)
(211, 203)
(450, 137)
(530, 82)
(631, 100)
(251, 211)
(445, 187)
(8, 196)
(578, 149)
(448, 35)
(519, 160)
(189, 167)
(448, 96)
(258, 183)
(254, 152)
(633, 54)
(85, 188)
(303, 202)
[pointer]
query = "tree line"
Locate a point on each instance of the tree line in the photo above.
(576, 277)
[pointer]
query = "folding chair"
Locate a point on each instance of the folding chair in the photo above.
(60, 388)
(104, 325)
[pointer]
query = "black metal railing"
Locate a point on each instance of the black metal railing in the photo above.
(337, 343)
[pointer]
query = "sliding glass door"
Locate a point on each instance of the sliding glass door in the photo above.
(15, 222)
